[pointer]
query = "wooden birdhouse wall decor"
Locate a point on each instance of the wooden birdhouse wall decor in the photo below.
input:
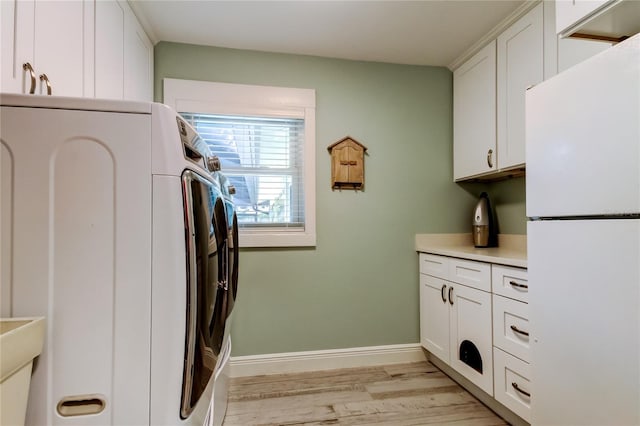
(347, 164)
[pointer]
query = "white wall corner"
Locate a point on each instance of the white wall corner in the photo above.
(494, 33)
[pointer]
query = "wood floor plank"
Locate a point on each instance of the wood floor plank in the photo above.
(467, 414)
(413, 368)
(412, 404)
(395, 395)
(425, 381)
(284, 403)
(289, 384)
(292, 416)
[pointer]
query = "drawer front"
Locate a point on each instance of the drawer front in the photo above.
(434, 265)
(512, 382)
(510, 282)
(470, 273)
(511, 327)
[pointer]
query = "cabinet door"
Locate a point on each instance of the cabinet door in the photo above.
(434, 316)
(138, 60)
(471, 322)
(474, 115)
(109, 50)
(16, 38)
(59, 48)
(570, 12)
(341, 165)
(520, 65)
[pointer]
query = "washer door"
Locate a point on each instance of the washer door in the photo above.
(233, 258)
(207, 284)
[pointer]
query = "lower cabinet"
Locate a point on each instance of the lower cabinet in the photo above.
(455, 324)
(474, 317)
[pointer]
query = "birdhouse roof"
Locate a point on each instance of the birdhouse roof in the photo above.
(345, 139)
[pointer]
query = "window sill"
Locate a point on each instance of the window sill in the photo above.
(276, 239)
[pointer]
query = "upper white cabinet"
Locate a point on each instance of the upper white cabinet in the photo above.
(82, 48)
(109, 42)
(611, 20)
(474, 115)
(124, 54)
(489, 97)
(569, 12)
(59, 49)
(138, 60)
(520, 65)
(49, 37)
(17, 46)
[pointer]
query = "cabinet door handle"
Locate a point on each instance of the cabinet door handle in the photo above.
(515, 386)
(27, 67)
(450, 295)
(444, 298)
(517, 330)
(43, 77)
(490, 158)
(515, 284)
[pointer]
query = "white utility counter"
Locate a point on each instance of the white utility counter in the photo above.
(511, 250)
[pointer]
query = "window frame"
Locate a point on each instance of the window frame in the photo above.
(207, 97)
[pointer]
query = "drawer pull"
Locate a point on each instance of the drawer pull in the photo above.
(517, 330)
(450, 296)
(515, 284)
(525, 393)
(444, 298)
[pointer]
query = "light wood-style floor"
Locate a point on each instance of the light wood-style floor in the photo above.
(398, 395)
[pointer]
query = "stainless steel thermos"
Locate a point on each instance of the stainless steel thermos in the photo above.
(483, 225)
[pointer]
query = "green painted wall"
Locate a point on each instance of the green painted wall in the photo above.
(359, 285)
(508, 199)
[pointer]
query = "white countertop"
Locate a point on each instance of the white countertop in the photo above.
(511, 250)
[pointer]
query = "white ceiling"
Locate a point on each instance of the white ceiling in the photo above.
(432, 32)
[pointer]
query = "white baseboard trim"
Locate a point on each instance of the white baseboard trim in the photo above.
(296, 362)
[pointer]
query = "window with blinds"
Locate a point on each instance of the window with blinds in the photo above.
(263, 159)
(265, 139)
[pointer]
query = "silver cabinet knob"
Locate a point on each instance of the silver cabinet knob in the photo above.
(213, 163)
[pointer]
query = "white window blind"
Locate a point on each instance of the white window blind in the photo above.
(263, 159)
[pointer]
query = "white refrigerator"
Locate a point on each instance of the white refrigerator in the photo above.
(583, 205)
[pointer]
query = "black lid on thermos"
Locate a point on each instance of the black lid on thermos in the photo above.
(483, 226)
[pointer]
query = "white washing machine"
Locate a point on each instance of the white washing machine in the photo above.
(115, 230)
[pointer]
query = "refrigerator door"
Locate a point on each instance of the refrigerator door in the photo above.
(584, 279)
(583, 137)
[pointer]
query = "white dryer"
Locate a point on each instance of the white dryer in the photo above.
(114, 229)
